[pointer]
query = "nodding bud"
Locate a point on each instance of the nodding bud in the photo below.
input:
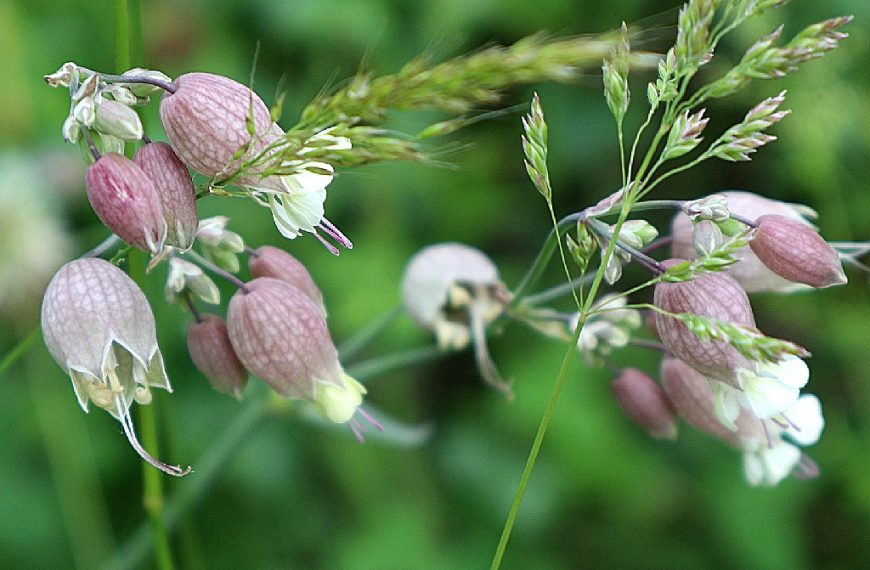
(119, 120)
(280, 335)
(749, 271)
(714, 296)
(126, 201)
(175, 190)
(211, 351)
(796, 252)
(644, 402)
(207, 121)
(268, 261)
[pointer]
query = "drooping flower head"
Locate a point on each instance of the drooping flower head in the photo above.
(126, 201)
(796, 252)
(99, 328)
(281, 336)
(224, 130)
(770, 448)
(766, 388)
(644, 402)
(454, 291)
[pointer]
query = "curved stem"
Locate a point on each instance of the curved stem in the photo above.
(556, 291)
(359, 340)
(103, 246)
(646, 261)
(168, 87)
(216, 270)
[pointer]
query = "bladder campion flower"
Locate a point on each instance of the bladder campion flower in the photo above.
(281, 336)
(99, 328)
(796, 252)
(223, 129)
(752, 274)
(645, 403)
(767, 388)
(454, 291)
(770, 448)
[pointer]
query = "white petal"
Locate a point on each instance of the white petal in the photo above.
(791, 371)
(726, 405)
(779, 461)
(766, 396)
(806, 416)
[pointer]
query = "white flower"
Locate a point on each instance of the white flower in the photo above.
(186, 275)
(296, 196)
(773, 387)
(769, 460)
(296, 200)
(454, 291)
(99, 328)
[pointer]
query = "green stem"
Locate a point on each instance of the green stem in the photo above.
(122, 34)
(19, 349)
(536, 445)
(208, 466)
(555, 292)
(539, 265)
(212, 461)
(382, 364)
(359, 340)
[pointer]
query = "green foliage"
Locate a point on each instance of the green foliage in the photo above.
(294, 495)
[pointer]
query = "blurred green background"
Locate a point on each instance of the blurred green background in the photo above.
(293, 495)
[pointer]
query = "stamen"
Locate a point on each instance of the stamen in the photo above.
(367, 417)
(790, 424)
(331, 248)
(806, 468)
(357, 432)
(127, 422)
(333, 232)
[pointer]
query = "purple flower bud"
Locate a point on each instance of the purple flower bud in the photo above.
(99, 328)
(715, 296)
(749, 271)
(175, 190)
(268, 261)
(211, 351)
(281, 336)
(206, 120)
(126, 202)
(645, 403)
(796, 252)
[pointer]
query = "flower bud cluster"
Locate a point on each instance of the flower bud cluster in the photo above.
(792, 254)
